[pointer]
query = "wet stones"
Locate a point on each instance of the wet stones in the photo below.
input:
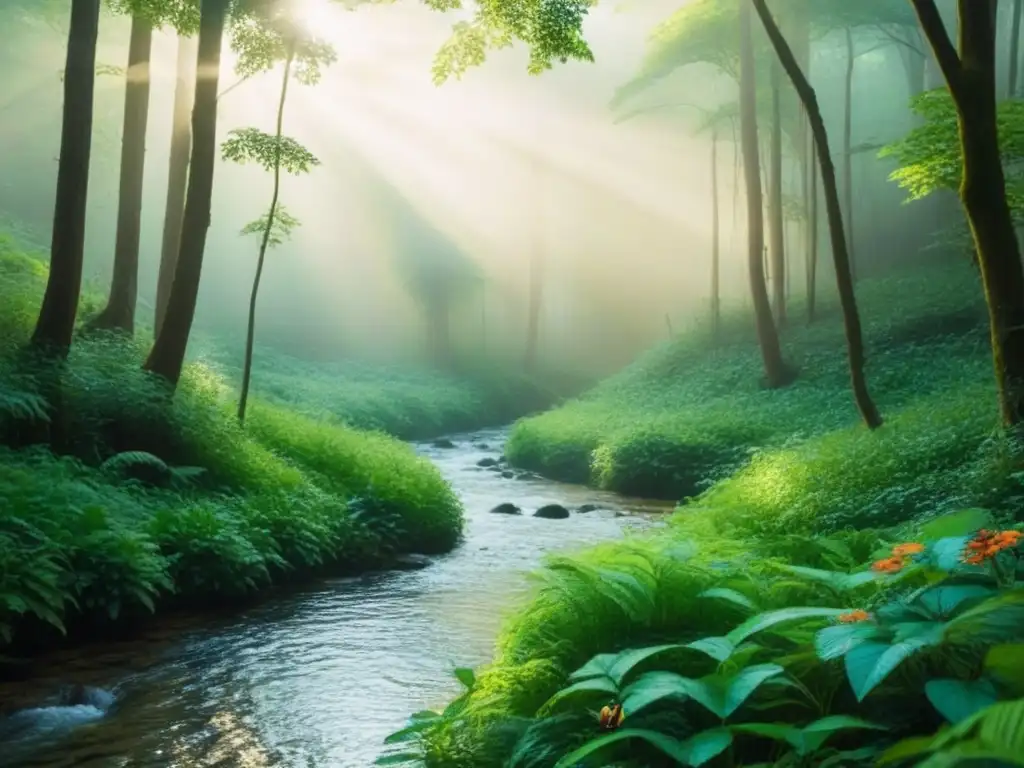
(410, 562)
(443, 442)
(507, 508)
(552, 512)
(487, 461)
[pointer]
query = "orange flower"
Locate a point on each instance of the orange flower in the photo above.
(889, 564)
(853, 617)
(910, 548)
(611, 717)
(987, 544)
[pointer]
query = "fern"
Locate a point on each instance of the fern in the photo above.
(20, 405)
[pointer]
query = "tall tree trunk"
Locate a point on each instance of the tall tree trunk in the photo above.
(167, 357)
(848, 151)
(812, 236)
(250, 334)
(119, 314)
(56, 323)
(776, 215)
(177, 178)
(716, 307)
(971, 76)
(774, 367)
(1014, 63)
(844, 281)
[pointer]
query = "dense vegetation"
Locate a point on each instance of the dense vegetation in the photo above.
(120, 498)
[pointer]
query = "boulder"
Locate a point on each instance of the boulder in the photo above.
(552, 512)
(443, 442)
(528, 476)
(482, 446)
(508, 474)
(507, 508)
(487, 461)
(584, 508)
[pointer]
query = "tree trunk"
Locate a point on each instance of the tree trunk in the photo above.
(1014, 63)
(56, 323)
(848, 151)
(776, 220)
(716, 307)
(167, 357)
(844, 281)
(776, 374)
(250, 334)
(971, 77)
(812, 235)
(177, 178)
(119, 314)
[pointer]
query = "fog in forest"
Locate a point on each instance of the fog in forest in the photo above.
(461, 186)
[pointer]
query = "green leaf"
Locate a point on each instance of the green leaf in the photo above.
(836, 641)
(947, 554)
(943, 601)
(666, 744)
(961, 523)
(1006, 662)
(956, 700)
(707, 745)
(626, 661)
(718, 648)
(837, 580)
(1002, 729)
(466, 676)
(769, 619)
(600, 665)
(405, 757)
(653, 687)
(998, 619)
(591, 685)
(815, 734)
(724, 694)
(870, 663)
(730, 596)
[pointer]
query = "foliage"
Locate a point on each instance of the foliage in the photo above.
(280, 229)
(929, 155)
(251, 145)
(260, 43)
(807, 660)
(157, 500)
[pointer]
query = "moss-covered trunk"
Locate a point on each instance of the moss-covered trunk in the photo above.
(56, 323)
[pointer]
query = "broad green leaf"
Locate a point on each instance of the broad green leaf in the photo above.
(956, 700)
(730, 596)
(943, 601)
(591, 685)
(652, 687)
(870, 663)
(778, 731)
(835, 642)
(815, 734)
(405, 757)
(906, 749)
(627, 660)
(600, 665)
(718, 648)
(1002, 728)
(724, 694)
(947, 554)
(707, 745)
(961, 523)
(466, 676)
(769, 619)
(837, 580)
(998, 619)
(1006, 662)
(666, 744)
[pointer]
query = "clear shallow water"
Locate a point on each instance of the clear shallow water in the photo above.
(316, 678)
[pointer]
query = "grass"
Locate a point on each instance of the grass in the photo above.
(777, 480)
(119, 500)
(691, 410)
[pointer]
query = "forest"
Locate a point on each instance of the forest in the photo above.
(512, 384)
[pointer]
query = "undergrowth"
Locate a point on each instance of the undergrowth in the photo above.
(118, 498)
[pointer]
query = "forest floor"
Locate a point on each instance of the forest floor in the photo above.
(788, 500)
(117, 501)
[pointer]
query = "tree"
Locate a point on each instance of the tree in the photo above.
(811, 206)
(56, 324)
(716, 306)
(119, 313)
(844, 282)
(275, 153)
(776, 220)
(177, 177)
(771, 352)
(970, 72)
(167, 357)
(1014, 62)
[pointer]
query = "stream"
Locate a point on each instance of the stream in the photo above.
(314, 677)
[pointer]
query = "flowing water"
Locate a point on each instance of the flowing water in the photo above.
(314, 678)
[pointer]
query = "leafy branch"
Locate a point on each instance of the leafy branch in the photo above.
(251, 145)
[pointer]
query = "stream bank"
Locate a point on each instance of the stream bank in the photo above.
(320, 675)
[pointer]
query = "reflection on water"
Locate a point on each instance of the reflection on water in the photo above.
(317, 679)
